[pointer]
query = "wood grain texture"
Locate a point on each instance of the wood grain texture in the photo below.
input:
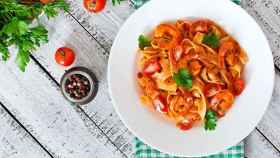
(15, 142)
(67, 32)
(267, 15)
(36, 101)
(103, 26)
(256, 146)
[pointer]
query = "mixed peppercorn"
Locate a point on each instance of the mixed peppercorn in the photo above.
(77, 86)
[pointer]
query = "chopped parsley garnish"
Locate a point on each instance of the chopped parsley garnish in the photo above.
(212, 40)
(210, 121)
(143, 42)
(183, 78)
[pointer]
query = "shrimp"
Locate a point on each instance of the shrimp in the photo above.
(222, 102)
(166, 36)
(228, 52)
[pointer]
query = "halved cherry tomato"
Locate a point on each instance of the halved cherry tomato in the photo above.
(94, 5)
(238, 86)
(212, 89)
(151, 66)
(200, 26)
(160, 104)
(64, 56)
(185, 124)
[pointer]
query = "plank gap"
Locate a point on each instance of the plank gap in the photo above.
(25, 129)
(274, 146)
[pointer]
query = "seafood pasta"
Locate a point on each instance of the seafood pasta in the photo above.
(190, 71)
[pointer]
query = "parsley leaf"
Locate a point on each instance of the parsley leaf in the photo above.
(22, 59)
(116, 1)
(212, 40)
(15, 27)
(4, 51)
(183, 78)
(143, 42)
(51, 9)
(210, 121)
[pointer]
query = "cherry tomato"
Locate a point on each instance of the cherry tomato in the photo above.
(238, 86)
(185, 124)
(200, 26)
(46, 1)
(160, 104)
(212, 89)
(64, 56)
(151, 66)
(94, 5)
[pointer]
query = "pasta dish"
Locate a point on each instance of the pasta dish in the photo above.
(190, 71)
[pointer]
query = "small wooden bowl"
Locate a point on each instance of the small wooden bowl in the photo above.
(91, 78)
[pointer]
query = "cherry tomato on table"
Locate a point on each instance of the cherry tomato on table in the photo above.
(64, 56)
(94, 5)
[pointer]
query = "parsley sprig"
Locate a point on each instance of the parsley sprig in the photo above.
(183, 78)
(143, 42)
(211, 39)
(116, 1)
(16, 29)
(210, 121)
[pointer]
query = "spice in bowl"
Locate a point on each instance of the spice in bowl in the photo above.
(79, 85)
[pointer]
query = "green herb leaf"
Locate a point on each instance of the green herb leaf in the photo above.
(4, 51)
(210, 121)
(22, 59)
(212, 40)
(143, 42)
(116, 1)
(183, 78)
(51, 9)
(15, 27)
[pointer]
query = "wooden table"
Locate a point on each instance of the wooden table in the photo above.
(37, 122)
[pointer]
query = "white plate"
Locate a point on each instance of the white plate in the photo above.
(152, 128)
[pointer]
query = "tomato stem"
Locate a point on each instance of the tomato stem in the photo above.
(62, 53)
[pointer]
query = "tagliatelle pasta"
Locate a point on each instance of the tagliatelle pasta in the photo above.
(190, 71)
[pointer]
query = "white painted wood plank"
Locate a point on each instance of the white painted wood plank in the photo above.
(103, 26)
(15, 142)
(256, 146)
(65, 31)
(36, 101)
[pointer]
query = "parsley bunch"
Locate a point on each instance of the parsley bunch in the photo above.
(16, 29)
